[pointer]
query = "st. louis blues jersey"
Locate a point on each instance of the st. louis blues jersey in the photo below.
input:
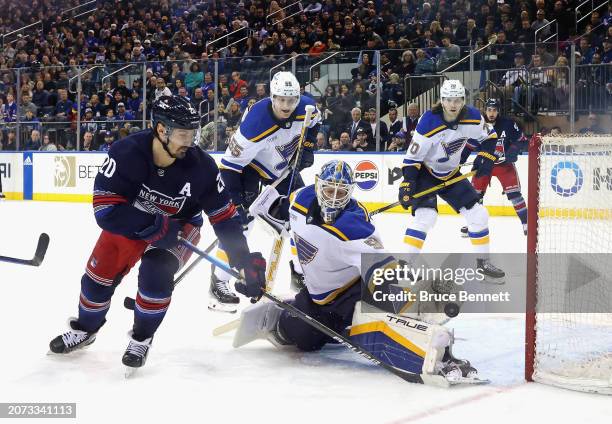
(438, 145)
(330, 255)
(265, 143)
(508, 133)
(130, 190)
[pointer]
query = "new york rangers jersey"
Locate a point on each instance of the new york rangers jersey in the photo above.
(265, 143)
(130, 190)
(508, 132)
(330, 255)
(438, 145)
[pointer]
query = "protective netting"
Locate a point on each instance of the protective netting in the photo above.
(573, 346)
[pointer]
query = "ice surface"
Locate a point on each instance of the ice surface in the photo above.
(191, 376)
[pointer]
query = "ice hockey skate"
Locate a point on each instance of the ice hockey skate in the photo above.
(135, 355)
(72, 340)
(222, 298)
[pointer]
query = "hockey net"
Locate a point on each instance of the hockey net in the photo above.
(569, 301)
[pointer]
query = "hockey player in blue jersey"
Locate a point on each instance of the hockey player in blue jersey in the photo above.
(332, 231)
(510, 143)
(258, 154)
(443, 139)
(152, 188)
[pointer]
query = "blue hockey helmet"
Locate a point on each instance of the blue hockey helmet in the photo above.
(334, 186)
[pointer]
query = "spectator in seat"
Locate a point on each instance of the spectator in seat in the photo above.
(40, 96)
(198, 97)
(63, 107)
(410, 121)
(244, 98)
(362, 142)
(47, 144)
(260, 92)
(10, 109)
(109, 139)
(397, 142)
(560, 81)
(467, 33)
(407, 64)
(395, 123)
(233, 114)
(358, 123)
(541, 22)
(547, 58)
(515, 80)
(194, 78)
(593, 127)
(393, 90)
(30, 122)
(208, 83)
(450, 53)
(336, 145)
(362, 72)
(161, 89)
(345, 141)
(27, 104)
(88, 123)
(321, 142)
(123, 115)
(539, 83)
(424, 65)
(87, 143)
(34, 141)
(370, 116)
(10, 143)
(362, 98)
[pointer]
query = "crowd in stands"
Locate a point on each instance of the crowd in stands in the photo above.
(169, 39)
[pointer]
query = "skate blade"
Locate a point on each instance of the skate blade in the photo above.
(129, 372)
(495, 281)
(228, 308)
(454, 381)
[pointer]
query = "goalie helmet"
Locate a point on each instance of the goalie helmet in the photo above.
(334, 186)
(452, 88)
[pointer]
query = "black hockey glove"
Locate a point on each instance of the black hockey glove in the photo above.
(306, 160)
(408, 186)
(297, 279)
(163, 233)
(483, 165)
(254, 272)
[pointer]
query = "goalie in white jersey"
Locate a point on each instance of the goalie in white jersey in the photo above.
(332, 231)
(443, 139)
(259, 153)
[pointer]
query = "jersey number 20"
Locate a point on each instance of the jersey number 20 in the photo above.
(109, 167)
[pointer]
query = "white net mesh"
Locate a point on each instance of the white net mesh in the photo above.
(574, 275)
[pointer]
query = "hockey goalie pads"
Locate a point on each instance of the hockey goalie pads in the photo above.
(258, 321)
(405, 343)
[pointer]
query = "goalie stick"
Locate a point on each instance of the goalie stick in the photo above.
(39, 255)
(435, 380)
(129, 302)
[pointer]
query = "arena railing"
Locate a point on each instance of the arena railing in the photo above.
(323, 75)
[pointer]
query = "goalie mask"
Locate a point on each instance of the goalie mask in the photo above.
(285, 94)
(334, 186)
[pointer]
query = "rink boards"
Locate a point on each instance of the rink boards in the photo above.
(572, 182)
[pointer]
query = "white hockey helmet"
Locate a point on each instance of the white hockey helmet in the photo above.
(452, 88)
(284, 84)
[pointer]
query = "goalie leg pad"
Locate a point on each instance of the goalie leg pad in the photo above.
(402, 342)
(257, 321)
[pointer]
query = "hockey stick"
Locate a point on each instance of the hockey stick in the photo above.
(129, 302)
(39, 255)
(425, 192)
(407, 376)
(279, 240)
